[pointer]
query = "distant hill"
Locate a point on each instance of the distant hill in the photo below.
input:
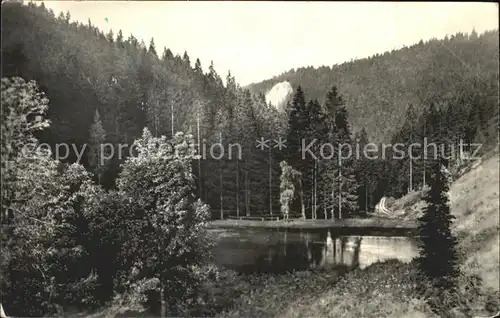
(379, 89)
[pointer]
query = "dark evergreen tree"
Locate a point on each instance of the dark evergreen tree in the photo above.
(340, 173)
(96, 154)
(152, 47)
(110, 36)
(119, 39)
(298, 122)
(185, 59)
(438, 258)
(364, 171)
(197, 67)
(167, 55)
(298, 125)
(316, 133)
(348, 187)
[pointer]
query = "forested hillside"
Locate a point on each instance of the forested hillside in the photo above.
(461, 69)
(104, 88)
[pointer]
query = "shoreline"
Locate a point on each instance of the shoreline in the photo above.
(299, 224)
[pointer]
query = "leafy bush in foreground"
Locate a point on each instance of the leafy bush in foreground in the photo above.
(45, 247)
(167, 242)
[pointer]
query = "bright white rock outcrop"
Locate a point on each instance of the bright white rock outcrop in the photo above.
(279, 94)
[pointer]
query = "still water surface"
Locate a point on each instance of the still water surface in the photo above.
(266, 250)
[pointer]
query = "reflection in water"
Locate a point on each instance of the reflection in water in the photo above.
(275, 251)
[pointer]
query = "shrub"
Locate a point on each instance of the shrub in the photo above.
(44, 242)
(167, 240)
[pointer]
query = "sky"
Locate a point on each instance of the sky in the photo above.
(258, 40)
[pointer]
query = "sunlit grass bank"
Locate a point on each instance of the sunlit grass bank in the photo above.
(385, 289)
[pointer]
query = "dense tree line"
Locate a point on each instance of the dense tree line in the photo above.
(458, 129)
(461, 69)
(104, 88)
(318, 141)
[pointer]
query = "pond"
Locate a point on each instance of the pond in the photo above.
(278, 251)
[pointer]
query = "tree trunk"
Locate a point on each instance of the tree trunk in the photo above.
(116, 126)
(312, 204)
(425, 129)
(333, 199)
(340, 192)
(423, 185)
(315, 191)
(163, 303)
(325, 212)
(205, 191)
(366, 198)
(411, 174)
(172, 115)
(199, 154)
(237, 188)
(270, 185)
(303, 208)
(247, 208)
(221, 202)
(156, 119)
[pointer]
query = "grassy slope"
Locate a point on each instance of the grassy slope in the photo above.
(475, 204)
(376, 291)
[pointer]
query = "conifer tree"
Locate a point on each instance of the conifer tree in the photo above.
(67, 17)
(119, 38)
(247, 131)
(298, 127)
(316, 133)
(185, 59)
(167, 55)
(96, 155)
(341, 169)
(152, 47)
(438, 258)
(110, 36)
(363, 171)
(330, 180)
(197, 67)
(298, 122)
(409, 136)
